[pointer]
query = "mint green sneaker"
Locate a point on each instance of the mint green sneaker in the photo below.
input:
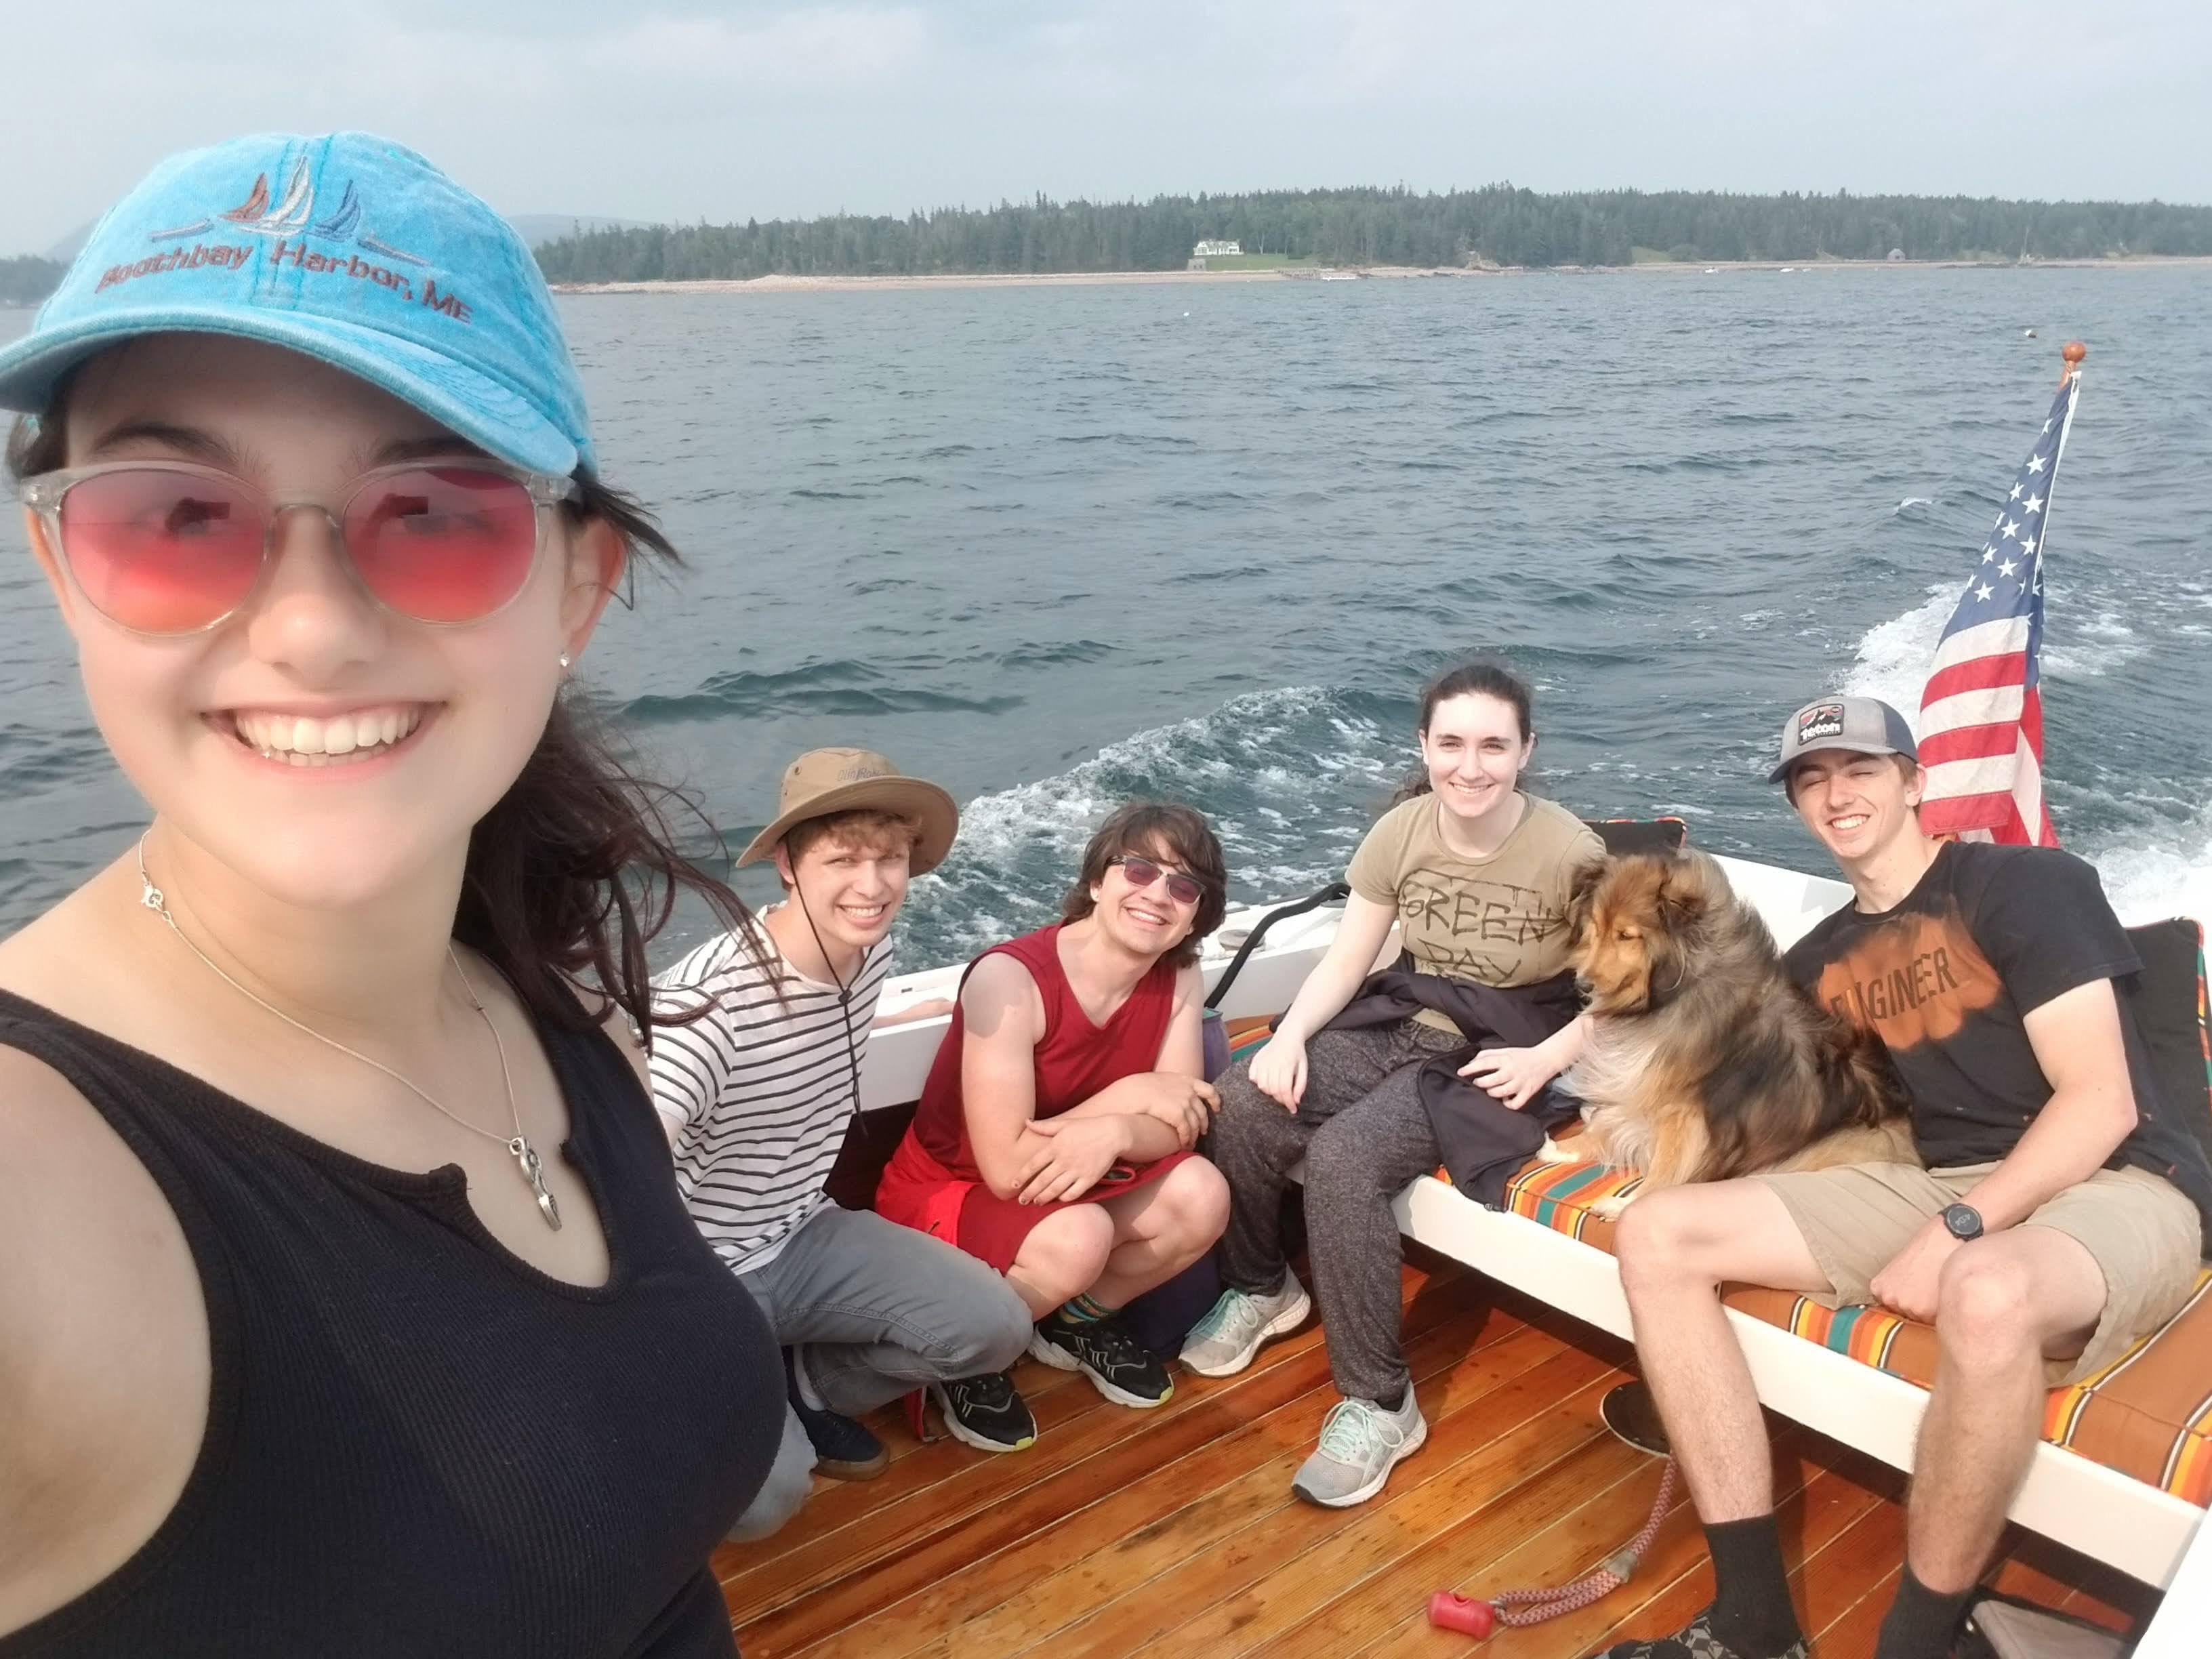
(1223, 1343)
(1360, 1445)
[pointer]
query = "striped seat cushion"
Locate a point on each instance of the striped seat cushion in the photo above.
(2148, 1415)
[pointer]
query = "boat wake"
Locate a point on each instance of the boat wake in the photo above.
(1291, 777)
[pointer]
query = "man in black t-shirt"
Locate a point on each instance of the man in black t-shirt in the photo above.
(2061, 1217)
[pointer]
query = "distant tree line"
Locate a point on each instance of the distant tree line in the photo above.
(1377, 226)
(27, 279)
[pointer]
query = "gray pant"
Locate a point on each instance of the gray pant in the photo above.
(1364, 1135)
(876, 1311)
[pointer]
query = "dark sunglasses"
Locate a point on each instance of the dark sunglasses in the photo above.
(173, 547)
(1142, 873)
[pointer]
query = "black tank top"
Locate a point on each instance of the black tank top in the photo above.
(417, 1444)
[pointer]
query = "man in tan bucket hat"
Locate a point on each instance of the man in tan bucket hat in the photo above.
(757, 1092)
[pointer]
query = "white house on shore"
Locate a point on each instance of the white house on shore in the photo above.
(1202, 252)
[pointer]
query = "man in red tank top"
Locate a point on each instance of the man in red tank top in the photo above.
(1054, 1137)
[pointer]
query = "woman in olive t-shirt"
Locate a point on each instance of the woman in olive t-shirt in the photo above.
(1476, 874)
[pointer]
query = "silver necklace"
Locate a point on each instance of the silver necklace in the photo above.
(525, 1155)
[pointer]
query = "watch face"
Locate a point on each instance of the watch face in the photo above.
(1963, 1220)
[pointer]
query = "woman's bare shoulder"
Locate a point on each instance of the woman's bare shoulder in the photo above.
(103, 1351)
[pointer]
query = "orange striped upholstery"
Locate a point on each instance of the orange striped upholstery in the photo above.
(2148, 1415)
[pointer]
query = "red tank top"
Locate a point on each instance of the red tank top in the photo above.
(1075, 1058)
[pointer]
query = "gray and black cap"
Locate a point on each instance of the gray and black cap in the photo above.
(1864, 726)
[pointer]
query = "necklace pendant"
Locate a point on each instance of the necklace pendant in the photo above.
(526, 1155)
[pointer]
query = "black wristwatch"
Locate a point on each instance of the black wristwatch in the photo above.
(1963, 1222)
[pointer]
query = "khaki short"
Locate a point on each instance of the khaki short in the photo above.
(2143, 1234)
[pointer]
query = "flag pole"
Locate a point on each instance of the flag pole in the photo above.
(2070, 375)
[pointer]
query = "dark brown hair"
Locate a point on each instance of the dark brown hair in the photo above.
(576, 867)
(1149, 828)
(1480, 679)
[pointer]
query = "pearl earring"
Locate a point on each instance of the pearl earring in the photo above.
(564, 661)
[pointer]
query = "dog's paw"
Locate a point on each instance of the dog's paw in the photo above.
(1552, 1152)
(1609, 1209)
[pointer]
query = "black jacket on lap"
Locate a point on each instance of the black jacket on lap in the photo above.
(1483, 1141)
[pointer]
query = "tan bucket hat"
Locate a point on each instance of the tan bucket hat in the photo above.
(825, 781)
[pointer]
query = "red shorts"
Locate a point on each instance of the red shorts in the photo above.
(919, 1192)
(994, 1228)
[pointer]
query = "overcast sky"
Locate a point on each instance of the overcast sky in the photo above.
(683, 109)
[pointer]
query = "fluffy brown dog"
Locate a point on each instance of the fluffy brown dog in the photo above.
(1705, 1063)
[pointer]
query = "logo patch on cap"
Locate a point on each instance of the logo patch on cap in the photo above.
(1822, 719)
(290, 223)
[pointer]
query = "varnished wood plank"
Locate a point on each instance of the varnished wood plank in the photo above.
(1672, 1553)
(1851, 1634)
(895, 1546)
(1592, 1523)
(1173, 1532)
(1839, 1577)
(1055, 1397)
(1388, 1615)
(1023, 1582)
(1260, 1491)
(1814, 1504)
(1529, 1421)
(1052, 1505)
(914, 1465)
(1472, 1461)
(1399, 1543)
(752, 1574)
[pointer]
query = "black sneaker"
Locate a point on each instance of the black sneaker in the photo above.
(843, 1449)
(1695, 1640)
(985, 1412)
(1122, 1368)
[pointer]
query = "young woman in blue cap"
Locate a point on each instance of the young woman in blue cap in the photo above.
(349, 1306)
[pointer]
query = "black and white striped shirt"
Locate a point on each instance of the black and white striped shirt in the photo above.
(760, 1092)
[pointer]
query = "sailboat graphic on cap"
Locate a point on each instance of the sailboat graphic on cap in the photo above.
(292, 214)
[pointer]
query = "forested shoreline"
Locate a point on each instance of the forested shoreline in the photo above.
(1497, 225)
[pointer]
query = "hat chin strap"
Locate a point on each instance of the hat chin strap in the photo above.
(844, 988)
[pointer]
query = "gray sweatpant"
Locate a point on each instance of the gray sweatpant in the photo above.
(1364, 1135)
(876, 1311)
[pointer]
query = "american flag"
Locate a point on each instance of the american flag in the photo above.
(1981, 717)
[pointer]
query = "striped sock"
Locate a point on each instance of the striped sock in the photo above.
(1081, 1311)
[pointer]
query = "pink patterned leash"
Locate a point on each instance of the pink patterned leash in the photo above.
(1449, 1611)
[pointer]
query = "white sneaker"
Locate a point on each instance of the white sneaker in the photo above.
(1360, 1445)
(1223, 1343)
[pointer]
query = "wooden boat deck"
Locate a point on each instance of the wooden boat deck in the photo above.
(1173, 1531)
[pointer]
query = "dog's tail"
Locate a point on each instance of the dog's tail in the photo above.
(1858, 1071)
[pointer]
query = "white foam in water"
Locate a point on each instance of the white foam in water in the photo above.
(2095, 646)
(1893, 657)
(1271, 782)
(2149, 884)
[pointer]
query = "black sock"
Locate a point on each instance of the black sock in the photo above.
(1922, 1623)
(1396, 1403)
(1752, 1614)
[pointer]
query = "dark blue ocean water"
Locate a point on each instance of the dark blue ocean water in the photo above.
(1058, 547)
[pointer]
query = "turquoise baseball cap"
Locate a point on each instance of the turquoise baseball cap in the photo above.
(347, 248)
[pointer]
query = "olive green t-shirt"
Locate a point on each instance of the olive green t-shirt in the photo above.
(1500, 921)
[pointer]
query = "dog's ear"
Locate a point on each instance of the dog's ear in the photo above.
(1581, 894)
(1685, 893)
